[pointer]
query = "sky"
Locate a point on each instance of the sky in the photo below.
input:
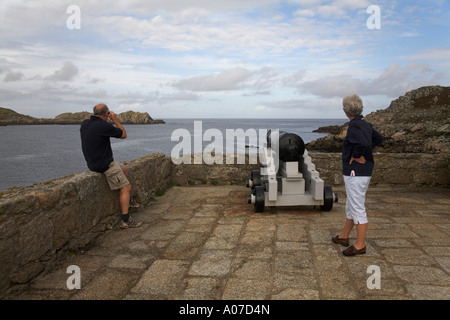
(219, 59)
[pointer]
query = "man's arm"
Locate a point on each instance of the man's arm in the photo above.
(113, 117)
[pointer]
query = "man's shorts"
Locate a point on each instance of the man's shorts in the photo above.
(115, 176)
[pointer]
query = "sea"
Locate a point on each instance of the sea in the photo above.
(32, 154)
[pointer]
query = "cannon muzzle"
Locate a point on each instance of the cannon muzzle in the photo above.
(290, 146)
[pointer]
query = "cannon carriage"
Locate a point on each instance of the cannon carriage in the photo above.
(288, 177)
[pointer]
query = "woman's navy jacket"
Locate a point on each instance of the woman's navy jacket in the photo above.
(360, 140)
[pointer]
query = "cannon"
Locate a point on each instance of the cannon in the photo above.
(287, 176)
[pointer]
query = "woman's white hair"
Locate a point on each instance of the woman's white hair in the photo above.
(353, 105)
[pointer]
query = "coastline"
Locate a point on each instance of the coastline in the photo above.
(11, 117)
(68, 123)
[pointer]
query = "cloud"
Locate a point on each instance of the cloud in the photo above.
(153, 97)
(336, 8)
(294, 79)
(304, 108)
(10, 75)
(394, 81)
(129, 106)
(257, 93)
(225, 80)
(332, 86)
(4, 66)
(67, 72)
(13, 76)
(440, 53)
(176, 96)
(199, 29)
(238, 78)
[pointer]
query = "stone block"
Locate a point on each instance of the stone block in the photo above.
(212, 263)
(163, 277)
(395, 175)
(423, 177)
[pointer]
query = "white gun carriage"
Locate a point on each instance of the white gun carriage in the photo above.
(288, 177)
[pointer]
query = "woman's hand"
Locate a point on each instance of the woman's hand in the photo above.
(361, 160)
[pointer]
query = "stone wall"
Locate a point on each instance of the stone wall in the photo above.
(41, 225)
(391, 168)
(230, 171)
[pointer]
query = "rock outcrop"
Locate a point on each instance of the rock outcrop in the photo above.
(71, 118)
(10, 117)
(417, 122)
(131, 117)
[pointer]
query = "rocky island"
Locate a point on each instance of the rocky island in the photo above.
(418, 122)
(10, 117)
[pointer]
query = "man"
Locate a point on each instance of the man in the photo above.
(96, 145)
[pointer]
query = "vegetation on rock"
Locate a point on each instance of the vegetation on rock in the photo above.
(10, 117)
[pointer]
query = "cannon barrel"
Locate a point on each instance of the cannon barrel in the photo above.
(290, 146)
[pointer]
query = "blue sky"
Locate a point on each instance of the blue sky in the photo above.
(210, 59)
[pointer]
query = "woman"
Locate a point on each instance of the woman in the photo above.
(357, 167)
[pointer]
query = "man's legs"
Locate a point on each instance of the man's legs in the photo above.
(125, 170)
(132, 202)
(116, 176)
(124, 198)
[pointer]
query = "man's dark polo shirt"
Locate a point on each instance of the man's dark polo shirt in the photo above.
(95, 143)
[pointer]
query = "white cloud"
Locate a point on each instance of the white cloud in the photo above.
(440, 53)
(305, 108)
(13, 76)
(333, 9)
(67, 72)
(225, 80)
(129, 106)
(394, 81)
(238, 78)
(193, 29)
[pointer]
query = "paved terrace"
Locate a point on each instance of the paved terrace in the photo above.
(205, 242)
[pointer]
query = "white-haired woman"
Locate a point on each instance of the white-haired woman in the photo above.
(357, 167)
